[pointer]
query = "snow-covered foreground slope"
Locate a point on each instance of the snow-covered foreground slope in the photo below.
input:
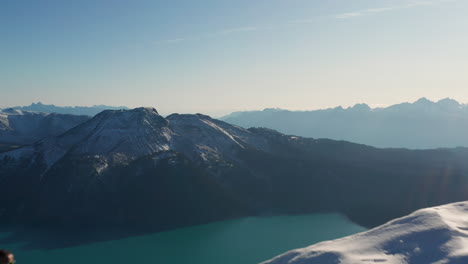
(433, 235)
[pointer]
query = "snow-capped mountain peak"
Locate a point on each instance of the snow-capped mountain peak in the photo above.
(118, 135)
(136, 132)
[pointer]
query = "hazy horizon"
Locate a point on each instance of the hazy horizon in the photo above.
(215, 57)
(225, 113)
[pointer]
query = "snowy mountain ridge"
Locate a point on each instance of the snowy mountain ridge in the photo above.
(119, 135)
(25, 127)
(71, 110)
(433, 235)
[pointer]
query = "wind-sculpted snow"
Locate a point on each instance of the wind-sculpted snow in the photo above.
(434, 235)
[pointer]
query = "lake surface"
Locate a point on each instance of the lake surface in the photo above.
(240, 241)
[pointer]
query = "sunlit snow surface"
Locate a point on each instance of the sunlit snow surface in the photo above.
(19, 127)
(436, 235)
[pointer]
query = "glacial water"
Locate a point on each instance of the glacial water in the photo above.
(240, 241)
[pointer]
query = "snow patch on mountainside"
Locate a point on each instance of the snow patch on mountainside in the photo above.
(434, 235)
(200, 136)
(111, 134)
(4, 123)
(24, 127)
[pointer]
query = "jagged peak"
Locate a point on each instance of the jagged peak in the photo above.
(361, 106)
(338, 108)
(449, 102)
(423, 100)
(444, 103)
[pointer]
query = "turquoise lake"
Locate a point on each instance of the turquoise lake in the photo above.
(241, 241)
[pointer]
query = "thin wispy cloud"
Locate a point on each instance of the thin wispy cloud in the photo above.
(370, 11)
(302, 21)
(169, 41)
(177, 40)
(348, 15)
(222, 32)
(237, 30)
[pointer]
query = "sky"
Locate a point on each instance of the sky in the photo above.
(220, 56)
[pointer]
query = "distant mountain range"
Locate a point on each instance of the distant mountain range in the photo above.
(71, 110)
(136, 169)
(420, 125)
(432, 235)
(18, 127)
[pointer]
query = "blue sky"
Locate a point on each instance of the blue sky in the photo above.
(221, 56)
